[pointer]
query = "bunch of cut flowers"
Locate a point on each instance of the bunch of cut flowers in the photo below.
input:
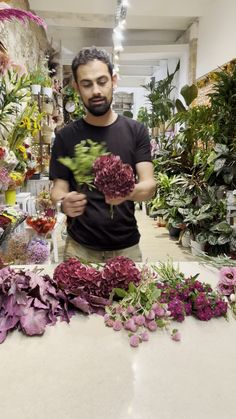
(29, 302)
(44, 203)
(226, 285)
(93, 166)
(188, 296)
(89, 287)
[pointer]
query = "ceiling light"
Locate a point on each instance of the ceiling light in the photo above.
(125, 3)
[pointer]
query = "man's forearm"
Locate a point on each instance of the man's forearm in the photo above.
(59, 190)
(143, 191)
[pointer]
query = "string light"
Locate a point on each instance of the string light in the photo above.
(120, 24)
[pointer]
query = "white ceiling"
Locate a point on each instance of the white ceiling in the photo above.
(152, 31)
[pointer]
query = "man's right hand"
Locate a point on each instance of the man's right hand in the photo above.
(74, 204)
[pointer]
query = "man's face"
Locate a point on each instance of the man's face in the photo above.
(95, 86)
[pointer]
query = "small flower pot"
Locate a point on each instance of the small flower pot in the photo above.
(47, 91)
(186, 239)
(35, 89)
(10, 197)
(196, 248)
(47, 138)
(47, 108)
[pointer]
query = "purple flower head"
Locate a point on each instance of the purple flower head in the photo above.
(176, 307)
(201, 301)
(37, 252)
(112, 177)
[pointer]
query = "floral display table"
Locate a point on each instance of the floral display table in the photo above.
(86, 370)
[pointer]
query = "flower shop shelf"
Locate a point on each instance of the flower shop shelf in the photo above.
(86, 370)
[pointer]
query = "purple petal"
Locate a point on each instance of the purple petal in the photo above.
(34, 322)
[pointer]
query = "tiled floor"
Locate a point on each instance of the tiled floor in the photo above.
(155, 242)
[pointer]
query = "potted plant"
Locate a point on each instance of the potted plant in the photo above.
(36, 78)
(47, 86)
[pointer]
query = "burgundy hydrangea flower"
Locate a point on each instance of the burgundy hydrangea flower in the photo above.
(112, 177)
(76, 278)
(118, 272)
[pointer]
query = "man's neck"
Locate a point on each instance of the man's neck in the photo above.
(103, 120)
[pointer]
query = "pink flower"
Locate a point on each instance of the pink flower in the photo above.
(130, 325)
(134, 341)
(152, 326)
(139, 320)
(176, 335)
(144, 336)
(158, 310)
(117, 325)
(130, 310)
(227, 280)
(150, 315)
(106, 317)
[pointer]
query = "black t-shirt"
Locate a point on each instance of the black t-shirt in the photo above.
(95, 228)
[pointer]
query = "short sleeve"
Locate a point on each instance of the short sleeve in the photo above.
(143, 145)
(57, 170)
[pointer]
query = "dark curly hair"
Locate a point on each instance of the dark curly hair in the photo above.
(90, 54)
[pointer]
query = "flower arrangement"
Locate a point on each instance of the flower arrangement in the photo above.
(44, 203)
(27, 124)
(41, 223)
(16, 180)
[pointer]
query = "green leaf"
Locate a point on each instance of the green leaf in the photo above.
(132, 287)
(222, 227)
(120, 292)
(219, 164)
(189, 93)
(179, 106)
(212, 239)
(223, 239)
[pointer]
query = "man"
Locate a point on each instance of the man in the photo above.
(92, 234)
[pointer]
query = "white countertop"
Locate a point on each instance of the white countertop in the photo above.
(85, 370)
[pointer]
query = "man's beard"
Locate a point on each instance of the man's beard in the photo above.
(98, 109)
